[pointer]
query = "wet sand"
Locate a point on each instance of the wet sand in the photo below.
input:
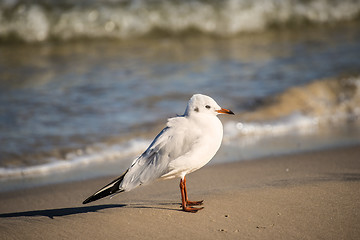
(301, 196)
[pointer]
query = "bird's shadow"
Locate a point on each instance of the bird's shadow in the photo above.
(60, 212)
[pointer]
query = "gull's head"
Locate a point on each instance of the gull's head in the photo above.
(202, 104)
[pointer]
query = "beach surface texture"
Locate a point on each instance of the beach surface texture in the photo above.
(312, 195)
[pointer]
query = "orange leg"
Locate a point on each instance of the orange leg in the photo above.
(190, 203)
(186, 204)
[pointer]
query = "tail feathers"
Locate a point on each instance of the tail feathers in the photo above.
(111, 188)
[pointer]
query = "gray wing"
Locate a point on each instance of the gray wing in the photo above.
(144, 169)
(172, 142)
(150, 165)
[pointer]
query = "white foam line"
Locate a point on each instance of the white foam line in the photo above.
(227, 17)
(294, 123)
(107, 153)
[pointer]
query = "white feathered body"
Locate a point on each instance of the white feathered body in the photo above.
(185, 145)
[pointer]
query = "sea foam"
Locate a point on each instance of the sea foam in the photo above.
(34, 21)
(77, 159)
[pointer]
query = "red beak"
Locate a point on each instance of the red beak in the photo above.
(225, 111)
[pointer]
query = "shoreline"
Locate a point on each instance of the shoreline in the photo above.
(305, 195)
(268, 149)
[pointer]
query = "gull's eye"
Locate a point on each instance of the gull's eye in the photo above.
(207, 106)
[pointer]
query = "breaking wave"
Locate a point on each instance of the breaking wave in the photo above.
(299, 110)
(77, 159)
(36, 21)
(302, 110)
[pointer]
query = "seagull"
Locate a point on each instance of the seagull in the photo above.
(186, 144)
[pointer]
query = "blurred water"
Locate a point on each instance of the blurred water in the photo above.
(66, 105)
(41, 20)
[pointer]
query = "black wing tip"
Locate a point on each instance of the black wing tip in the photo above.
(88, 200)
(91, 199)
(106, 191)
(99, 196)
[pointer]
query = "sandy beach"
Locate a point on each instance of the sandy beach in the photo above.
(311, 195)
(86, 85)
